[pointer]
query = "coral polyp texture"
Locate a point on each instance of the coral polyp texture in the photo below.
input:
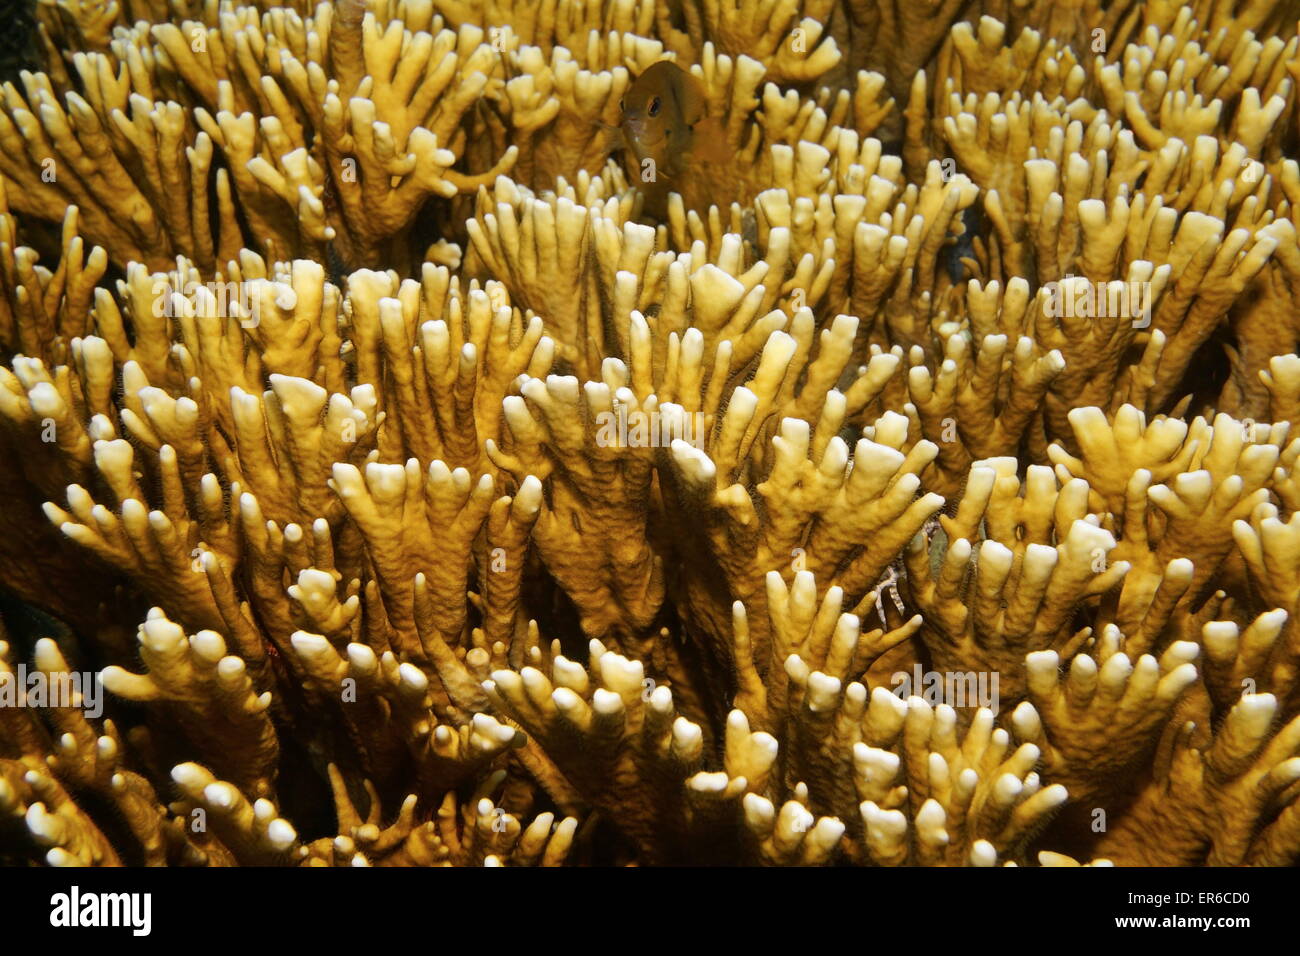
(397, 470)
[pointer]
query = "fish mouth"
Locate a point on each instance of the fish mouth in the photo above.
(637, 134)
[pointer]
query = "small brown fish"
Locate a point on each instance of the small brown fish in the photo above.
(667, 132)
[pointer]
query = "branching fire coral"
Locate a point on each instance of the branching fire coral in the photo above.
(393, 476)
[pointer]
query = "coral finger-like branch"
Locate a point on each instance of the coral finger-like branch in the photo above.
(771, 432)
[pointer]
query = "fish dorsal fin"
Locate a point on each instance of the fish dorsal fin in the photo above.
(693, 105)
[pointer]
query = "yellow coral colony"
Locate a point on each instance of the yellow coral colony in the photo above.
(917, 490)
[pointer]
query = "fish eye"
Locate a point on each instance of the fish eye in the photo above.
(654, 107)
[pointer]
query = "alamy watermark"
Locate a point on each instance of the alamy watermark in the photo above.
(225, 300)
(622, 428)
(77, 909)
(81, 689)
(1078, 297)
(957, 689)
